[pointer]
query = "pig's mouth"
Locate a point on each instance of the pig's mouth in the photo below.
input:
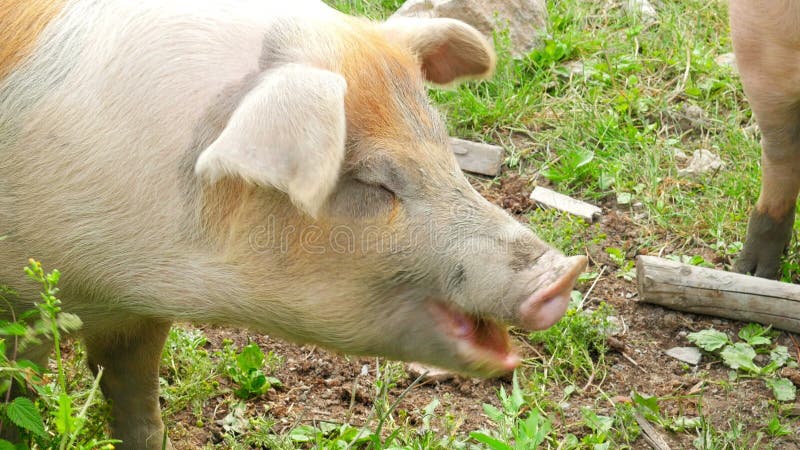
(483, 343)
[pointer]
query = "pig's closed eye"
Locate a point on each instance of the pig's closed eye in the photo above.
(378, 186)
(356, 198)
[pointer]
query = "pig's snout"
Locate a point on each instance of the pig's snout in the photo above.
(547, 305)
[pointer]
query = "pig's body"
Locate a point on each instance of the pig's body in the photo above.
(258, 163)
(766, 40)
(99, 136)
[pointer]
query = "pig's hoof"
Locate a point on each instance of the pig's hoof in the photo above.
(766, 241)
(752, 264)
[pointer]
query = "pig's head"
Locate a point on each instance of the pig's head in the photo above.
(333, 191)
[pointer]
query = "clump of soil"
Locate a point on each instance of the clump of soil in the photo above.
(511, 193)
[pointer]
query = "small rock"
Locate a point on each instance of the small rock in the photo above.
(697, 388)
(575, 68)
(616, 344)
(417, 370)
(792, 374)
(701, 162)
(641, 7)
(679, 155)
(689, 355)
(621, 399)
(726, 60)
(696, 116)
(524, 19)
(614, 326)
(752, 131)
(671, 320)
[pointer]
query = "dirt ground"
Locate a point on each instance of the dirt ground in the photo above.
(319, 385)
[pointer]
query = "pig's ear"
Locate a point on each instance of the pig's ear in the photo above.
(288, 133)
(449, 50)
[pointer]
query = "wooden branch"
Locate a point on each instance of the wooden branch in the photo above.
(475, 157)
(650, 435)
(561, 202)
(713, 292)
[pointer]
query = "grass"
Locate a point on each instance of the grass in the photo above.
(600, 112)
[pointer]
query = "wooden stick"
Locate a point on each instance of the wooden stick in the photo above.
(485, 159)
(717, 293)
(650, 435)
(561, 202)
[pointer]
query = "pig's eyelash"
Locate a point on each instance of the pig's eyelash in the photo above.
(380, 186)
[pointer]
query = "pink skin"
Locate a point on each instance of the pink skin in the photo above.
(545, 307)
(486, 343)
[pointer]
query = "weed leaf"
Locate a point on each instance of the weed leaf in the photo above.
(754, 333)
(783, 389)
(598, 423)
(492, 443)
(63, 414)
(11, 328)
(740, 356)
(250, 358)
(708, 340)
(25, 415)
(779, 355)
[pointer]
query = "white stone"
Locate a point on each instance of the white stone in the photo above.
(641, 7)
(726, 60)
(689, 355)
(701, 162)
(525, 19)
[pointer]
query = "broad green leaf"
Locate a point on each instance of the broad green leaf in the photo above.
(779, 355)
(492, 443)
(708, 340)
(595, 421)
(250, 358)
(624, 198)
(5, 445)
(429, 410)
(783, 389)
(63, 414)
(25, 415)
(303, 433)
(274, 382)
(684, 423)
(755, 334)
(533, 431)
(493, 413)
(648, 406)
(740, 356)
(12, 328)
(516, 394)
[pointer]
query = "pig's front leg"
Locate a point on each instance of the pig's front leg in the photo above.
(130, 358)
(770, 228)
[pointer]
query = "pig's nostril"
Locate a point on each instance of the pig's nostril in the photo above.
(547, 306)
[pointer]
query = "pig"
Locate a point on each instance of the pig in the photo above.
(766, 42)
(263, 164)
